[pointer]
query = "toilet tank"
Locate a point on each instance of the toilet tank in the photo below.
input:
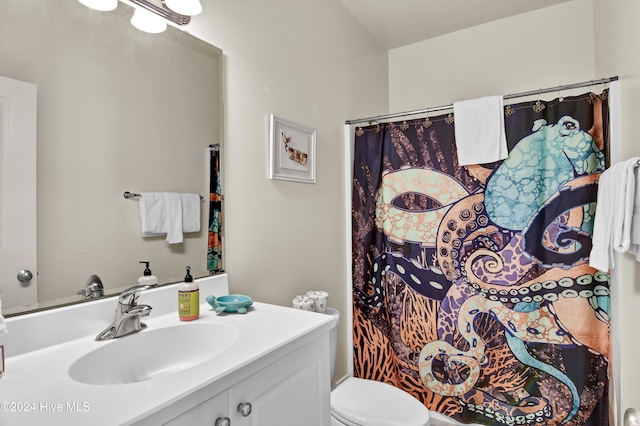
(333, 338)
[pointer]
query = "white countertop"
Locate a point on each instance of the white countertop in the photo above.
(37, 390)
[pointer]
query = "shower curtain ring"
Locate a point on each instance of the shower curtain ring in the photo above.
(539, 106)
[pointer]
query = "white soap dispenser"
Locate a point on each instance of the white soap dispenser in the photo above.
(147, 278)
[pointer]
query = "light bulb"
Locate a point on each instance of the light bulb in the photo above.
(184, 7)
(103, 5)
(147, 21)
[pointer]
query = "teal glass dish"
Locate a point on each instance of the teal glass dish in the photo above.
(230, 303)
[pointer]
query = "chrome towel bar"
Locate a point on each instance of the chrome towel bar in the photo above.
(128, 195)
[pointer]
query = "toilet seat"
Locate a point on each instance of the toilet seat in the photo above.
(342, 421)
(360, 402)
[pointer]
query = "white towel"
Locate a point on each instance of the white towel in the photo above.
(3, 325)
(153, 214)
(479, 130)
(173, 224)
(170, 214)
(635, 218)
(617, 222)
(190, 212)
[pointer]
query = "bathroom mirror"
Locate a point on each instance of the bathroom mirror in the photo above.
(118, 110)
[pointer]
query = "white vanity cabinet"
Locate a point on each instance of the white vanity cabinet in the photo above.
(275, 367)
(206, 413)
(290, 391)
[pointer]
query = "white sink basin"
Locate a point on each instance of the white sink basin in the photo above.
(150, 354)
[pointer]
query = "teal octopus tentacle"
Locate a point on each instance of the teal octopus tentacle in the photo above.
(519, 349)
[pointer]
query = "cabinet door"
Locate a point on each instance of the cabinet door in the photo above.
(292, 391)
(204, 414)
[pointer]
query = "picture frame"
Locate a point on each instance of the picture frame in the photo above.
(292, 151)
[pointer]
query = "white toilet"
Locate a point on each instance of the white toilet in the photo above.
(359, 402)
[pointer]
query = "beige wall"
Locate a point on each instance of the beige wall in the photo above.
(575, 41)
(309, 62)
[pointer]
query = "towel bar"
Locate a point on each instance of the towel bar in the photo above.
(128, 195)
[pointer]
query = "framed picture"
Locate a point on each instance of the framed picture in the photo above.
(292, 153)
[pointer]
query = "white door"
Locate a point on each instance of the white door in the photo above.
(18, 249)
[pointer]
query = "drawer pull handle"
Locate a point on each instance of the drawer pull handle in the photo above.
(222, 421)
(244, 408)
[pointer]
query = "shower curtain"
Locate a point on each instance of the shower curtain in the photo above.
(471, 285)
(214, 249)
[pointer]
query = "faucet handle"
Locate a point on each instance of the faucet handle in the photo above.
(130, 296)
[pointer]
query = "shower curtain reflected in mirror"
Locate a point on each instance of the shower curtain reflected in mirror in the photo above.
(214, 240)
(471, 285)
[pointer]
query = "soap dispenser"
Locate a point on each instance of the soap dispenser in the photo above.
(147, 278)
(188, 298)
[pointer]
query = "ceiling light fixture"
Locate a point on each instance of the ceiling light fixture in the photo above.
(147, 21)
(103, 5)
(177, 11)
(184, 7)
(160, 8)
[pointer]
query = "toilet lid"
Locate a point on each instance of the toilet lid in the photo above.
(371, 403)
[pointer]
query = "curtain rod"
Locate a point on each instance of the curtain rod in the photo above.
(516, 95)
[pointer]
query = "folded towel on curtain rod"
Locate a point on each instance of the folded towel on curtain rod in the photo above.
(479, 130)
(170, 214)
(616, 225)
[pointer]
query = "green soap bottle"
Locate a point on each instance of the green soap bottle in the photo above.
(188, 298)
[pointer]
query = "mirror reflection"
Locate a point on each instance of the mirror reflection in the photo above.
(117, 110)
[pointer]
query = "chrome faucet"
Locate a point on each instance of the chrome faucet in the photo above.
(128, 314)
(93, 288)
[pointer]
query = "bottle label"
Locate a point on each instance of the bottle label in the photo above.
(188, 305)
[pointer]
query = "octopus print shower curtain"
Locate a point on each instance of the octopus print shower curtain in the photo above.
(471, 285)
(214, 244)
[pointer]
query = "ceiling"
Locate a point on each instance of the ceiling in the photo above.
(396, 23)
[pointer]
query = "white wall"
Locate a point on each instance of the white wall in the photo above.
(309, 62)
(544, 48)
(575, 41)
(616, 47)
